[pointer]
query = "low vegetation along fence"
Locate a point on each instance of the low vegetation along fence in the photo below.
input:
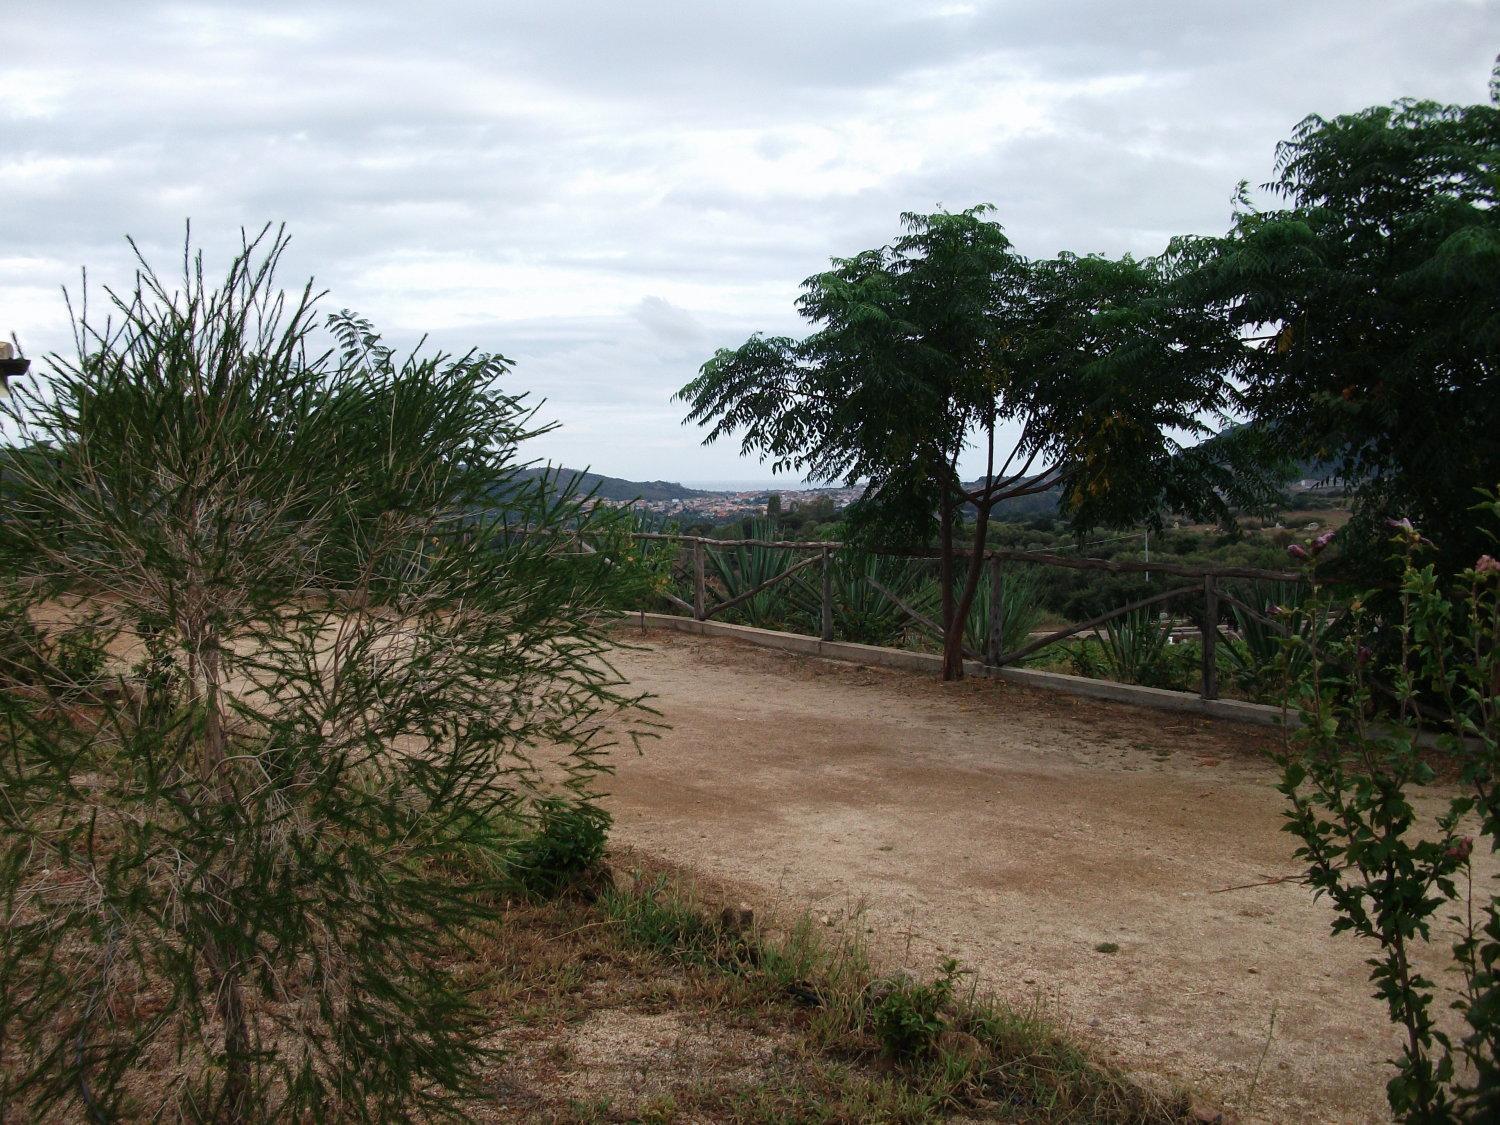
(1229, 615)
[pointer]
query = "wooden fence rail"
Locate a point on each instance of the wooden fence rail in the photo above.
(1205, 585)
(1041, 558)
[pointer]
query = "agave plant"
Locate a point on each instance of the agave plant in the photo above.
(1134, 644)
(862, 613)
(740, 569)
(1254, 655)
(1020, 611)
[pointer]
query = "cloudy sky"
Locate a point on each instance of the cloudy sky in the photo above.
(607, 191)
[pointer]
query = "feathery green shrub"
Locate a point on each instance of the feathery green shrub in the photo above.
(224, 888)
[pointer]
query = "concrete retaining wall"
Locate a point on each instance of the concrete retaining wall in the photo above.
(1232, 709)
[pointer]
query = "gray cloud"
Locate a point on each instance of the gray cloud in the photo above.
(606, 192)
(669, 323)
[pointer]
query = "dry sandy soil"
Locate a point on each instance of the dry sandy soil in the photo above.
(1017, 830)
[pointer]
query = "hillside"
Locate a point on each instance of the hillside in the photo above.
(617, 488)
(1022, 507)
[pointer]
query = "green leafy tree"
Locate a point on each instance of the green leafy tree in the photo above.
(947, 339)
(1372, 300)
(228, 873)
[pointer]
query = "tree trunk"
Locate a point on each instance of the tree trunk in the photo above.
(234, 1106)
(220, 955)
(953, 669)
(953, 628)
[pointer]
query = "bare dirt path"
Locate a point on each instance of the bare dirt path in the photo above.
(1018, 830)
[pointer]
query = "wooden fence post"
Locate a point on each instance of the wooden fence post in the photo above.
(995, 640)
(827, 632)
(700, 587)
(1210, 632)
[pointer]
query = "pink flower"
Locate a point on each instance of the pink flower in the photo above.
(1461, 849)
(1487, 564)
(1322, 541)
(1404, 528)
(1298, 551)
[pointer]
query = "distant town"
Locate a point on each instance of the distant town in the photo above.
(696, 505)
(721, 506)
(673, 500)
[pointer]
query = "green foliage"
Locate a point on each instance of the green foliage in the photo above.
(1134, 645)
(1178, 668)
(807, 519)
(1085, 660)
(640, 569)
(862, 613)
(871, 395)
(67, 659)
(740, 569)
(1020, 610)
(908, 1017)
(940, 339)
(658, 917)
(1257, 655)
(78, 656)
(227, 893)
(1135, 649)
(1079, 595)
(22, 646)
(1123, 365)
(158, 672)
(1374, 295)
(1353, 773)
(566, 845)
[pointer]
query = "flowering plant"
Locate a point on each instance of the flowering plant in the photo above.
(1382, 703)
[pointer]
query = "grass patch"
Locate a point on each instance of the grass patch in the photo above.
(777, 1024)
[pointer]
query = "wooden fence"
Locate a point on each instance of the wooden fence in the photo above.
(1200, 582)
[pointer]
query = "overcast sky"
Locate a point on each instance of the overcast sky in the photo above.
(607, 191)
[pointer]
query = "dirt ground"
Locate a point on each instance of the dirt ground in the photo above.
(1018, 830)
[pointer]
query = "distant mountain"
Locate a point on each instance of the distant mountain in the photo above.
(617, 488)
(1024, 507)
(1295, 472)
